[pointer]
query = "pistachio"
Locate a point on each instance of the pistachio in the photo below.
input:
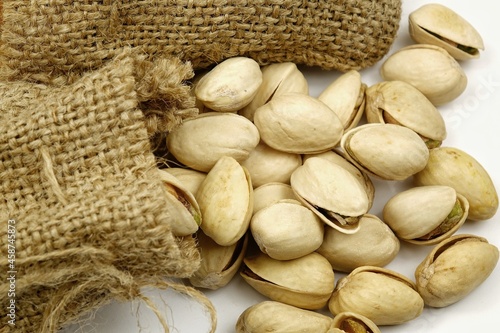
(277, 79)
(350, 322)
(267, 165)
(400, 103)
(230, 85)
(219, 264)
(337, 157)
(226, 201)
(182, 204)
(331, 192)
(387, 151)
(306, 282)
(382, 295)
(277, 317)
(298, 123)
(374, 244)
(428, 68)
(190, 178)
(287, 230)
(346, 97)
(271, 193)
(199, 142)
(439, 25)
(426, 215)
(454, 268)
(455, 168)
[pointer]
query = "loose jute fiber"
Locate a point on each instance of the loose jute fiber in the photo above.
(80, 192)
(43, 39)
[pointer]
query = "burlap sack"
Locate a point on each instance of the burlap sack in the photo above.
(79, 180)
(43, 39)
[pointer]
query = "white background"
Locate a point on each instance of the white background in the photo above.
(473, 124)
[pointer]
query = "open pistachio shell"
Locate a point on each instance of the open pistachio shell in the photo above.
(430, 69)
(374, 244)
(277, 79)
(230, 85)
(439, 25)
(454, 268)
(219, 264)
(337, 157)
(400, 103)
(188, 177)
(306, 282)
(277, 317)
(298, 123)
(426, 215)
(331, 192)
(287, 230)
(266, 165)
(225, 198)
(382, 295)
(387, 151)
(346, 97)
(182, 204)
(271, 193)
(200, 141)
(455, 168)
(351, 322)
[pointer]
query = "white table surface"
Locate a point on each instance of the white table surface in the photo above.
(473, 125)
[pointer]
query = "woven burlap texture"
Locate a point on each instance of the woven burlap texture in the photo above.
(43, 39)
(78, 177)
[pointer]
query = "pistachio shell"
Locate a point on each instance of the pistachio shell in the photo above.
(354, 323)
(419, 211)
(429, 68)
(271, 193)
(267, 165)
(226, 201)
(401, 103)
(439, 25)
(298, 123)
(337, 157)
(374, 244)
(182, 204)
(277, 79)
(286, 230)
(331, 192)
(230, 85)
(455, 168)
(306, 282)
(345, 96)
(219, 264)
(387, 151)
(199, 142)
(277, 317)
(454, 268)
(384, 296)
(190, 178)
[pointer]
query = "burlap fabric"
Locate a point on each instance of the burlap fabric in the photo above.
(78, 177)
(43, 38)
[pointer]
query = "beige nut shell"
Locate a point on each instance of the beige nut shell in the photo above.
(429, 68)
(225, 198)
(384, 296)
(306, 282)
(436, 19)
(454, 268)
(298, 123)
(287, 230)
(199, 142)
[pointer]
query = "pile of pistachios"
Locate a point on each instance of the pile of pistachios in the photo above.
(266, 166)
